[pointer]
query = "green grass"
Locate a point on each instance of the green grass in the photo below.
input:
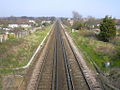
(83, 44)
(95, 50)
(118, 32)
(17, 52)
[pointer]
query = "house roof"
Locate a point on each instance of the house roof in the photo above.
(117, 21)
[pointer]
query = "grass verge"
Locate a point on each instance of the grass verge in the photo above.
(17, 52)
(99, 53)
(95, 50)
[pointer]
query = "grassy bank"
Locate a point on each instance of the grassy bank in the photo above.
(95, 50)
(17, 52)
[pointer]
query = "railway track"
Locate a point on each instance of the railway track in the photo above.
(45, 78)
(77, 80)
(60, 69)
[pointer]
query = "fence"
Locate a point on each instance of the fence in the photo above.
(19, 77)
(4, 37)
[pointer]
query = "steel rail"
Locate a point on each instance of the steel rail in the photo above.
(41, 70)
(89, 86)
(55, 68)
(66, 63)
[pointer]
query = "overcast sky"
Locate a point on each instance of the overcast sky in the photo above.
(59, 8)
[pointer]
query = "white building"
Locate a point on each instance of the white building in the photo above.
(7, 29)
(13, 25)
(19, 25)
(32, 21)
(118, 27)
(46, 22)
(25, 25)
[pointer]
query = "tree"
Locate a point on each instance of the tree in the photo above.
(46, 24)
(91, 22)
(77, 26)
(77, 16)
(65, 21)
(118, 49)
(108, 29)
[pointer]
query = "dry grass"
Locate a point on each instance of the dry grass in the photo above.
(13, 82)
(99, 46)
(100, 53)
(17, 52)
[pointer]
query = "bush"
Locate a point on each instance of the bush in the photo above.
(108, 29)
(118, 49)
(46, 24)
(11, 36)
(77, 25)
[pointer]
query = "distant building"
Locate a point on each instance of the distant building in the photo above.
(97, 31)
(46, 22)
(13, 25)
(70, 21)
(19, 25)
(117, 24)
(32, 22)
(25, 25)
(3, 37)
(6, 29)
(85, 19)
(98, 25)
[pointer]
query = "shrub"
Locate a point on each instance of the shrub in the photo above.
(118, 49)
(108, 29)
(11, 36)
(77, 25)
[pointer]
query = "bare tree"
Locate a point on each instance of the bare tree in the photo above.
(91, 22)
(77, 16)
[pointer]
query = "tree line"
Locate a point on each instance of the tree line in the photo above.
(106, 25)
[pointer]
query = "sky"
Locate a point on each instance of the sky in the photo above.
(60, 8)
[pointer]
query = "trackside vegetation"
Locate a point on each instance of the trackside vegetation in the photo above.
(95, 50)
(108, 29)
(100, 47)
(16, 52)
